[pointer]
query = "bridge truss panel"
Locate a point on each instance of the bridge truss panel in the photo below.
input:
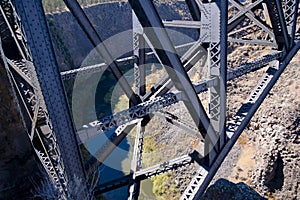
(50, 92)
(210, 19)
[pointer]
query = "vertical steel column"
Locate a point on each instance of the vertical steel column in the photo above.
(295, 21)
(217, 70)
(164, 48)
(139, 52)
(236, 130)
(213, 31)
(136, 163)
(290, 8)
(32, 105)
(35, 27)
(140, 86)
(140, 77)
(278, 23)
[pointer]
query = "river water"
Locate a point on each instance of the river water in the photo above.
(118, 163)
(104, 101)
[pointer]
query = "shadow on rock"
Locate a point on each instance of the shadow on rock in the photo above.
(224, 189)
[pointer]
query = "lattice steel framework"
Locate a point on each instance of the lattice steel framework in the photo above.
(31, 67)
(276, 22)
(19, 65)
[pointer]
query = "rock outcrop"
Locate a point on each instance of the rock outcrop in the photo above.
(224, 189)
(271, 141)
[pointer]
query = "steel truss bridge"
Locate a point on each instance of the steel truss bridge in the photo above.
(28, 56)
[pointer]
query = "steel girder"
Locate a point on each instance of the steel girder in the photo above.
(93, 36)
(95, 128)
(71, 74)
(284, 28)
(247, 12)
(148, 17)
(247, 111)
(52, 90)
(205, 174)
(290, 8)
(278, 23)
(20, 69)
(147, 173)
(217, 69)
(95, 39)
(213, 31)
(139, 50)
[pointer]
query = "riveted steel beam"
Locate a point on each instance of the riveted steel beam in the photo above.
(148, 17)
